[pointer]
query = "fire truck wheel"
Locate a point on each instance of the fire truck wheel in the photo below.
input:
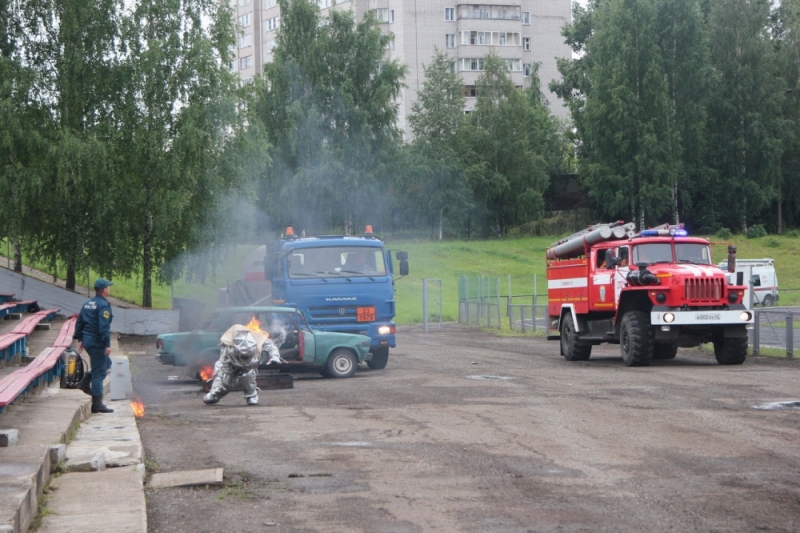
(731, 350)
(664, 350)
(341, 364)
(636, 339)
(571, 348)
(380, 356)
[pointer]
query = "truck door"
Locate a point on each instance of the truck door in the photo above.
(601, 281)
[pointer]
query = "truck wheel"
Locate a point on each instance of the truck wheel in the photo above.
(571, 348)
(341, 364)
(636, 339)
(665, 350)
(380, 356)
(731, 350)
(767, 301)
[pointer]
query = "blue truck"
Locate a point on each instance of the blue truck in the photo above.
(340, 283)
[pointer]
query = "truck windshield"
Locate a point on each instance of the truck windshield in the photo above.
(652, 253)
(336, 261)
(698, 254)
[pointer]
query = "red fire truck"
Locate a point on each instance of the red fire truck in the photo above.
(650, 292)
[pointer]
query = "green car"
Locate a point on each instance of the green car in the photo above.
(335, 355)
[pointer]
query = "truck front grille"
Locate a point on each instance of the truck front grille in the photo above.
(704, 289)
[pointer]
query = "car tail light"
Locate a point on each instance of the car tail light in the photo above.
(159, 344)
(301, 344)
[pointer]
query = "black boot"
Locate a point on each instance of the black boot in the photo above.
(98, 407)
(85, 384)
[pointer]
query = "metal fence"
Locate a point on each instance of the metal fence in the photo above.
(481, 303)
(774, 329)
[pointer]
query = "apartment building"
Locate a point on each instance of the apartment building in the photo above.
(523, 32)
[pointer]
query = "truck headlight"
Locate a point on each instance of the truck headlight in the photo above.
(669, 318)
(385, 330)
(745, 316)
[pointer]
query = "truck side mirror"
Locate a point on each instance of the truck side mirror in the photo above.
(402, 256)
(404, 267)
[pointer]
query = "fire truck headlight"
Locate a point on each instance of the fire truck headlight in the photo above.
(661, 297)
(669, 318)
(385, 330)
(745, 316)
(733, 297)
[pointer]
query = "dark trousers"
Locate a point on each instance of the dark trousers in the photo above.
(100, 364)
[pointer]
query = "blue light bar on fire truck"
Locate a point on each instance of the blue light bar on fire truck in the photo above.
(671, 232)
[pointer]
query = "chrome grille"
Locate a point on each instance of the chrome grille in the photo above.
(704, 289)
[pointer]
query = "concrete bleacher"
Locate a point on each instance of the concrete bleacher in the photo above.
(35, 373)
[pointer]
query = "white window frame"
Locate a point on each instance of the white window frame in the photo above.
(526, 18)
(450, 14)
(526, 69)
(269, 4)
(244, 2)
(269, 46)
(449, 40)
(245, 20)
(246, 62)
(273, 23)
(245, 40)
(526, 44)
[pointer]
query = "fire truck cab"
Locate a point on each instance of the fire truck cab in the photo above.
(650, 292)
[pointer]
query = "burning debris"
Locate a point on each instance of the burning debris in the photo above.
(137, 406)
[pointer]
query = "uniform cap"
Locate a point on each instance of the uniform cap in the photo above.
(101, 284)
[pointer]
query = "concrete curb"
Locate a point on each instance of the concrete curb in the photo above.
(108, 500)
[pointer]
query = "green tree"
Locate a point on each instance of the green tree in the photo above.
(745, 148)
(511, 136)
(439, 182)
(178, 181)
(328, 105)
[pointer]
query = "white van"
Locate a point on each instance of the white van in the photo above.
(763, 279)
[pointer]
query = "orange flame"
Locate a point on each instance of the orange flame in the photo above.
(255, 325)
(206, 373)
(137, 406)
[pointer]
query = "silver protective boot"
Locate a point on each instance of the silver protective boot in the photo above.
(252, 400)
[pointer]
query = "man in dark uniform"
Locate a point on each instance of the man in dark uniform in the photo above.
(93, 330)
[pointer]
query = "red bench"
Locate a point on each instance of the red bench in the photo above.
(29, 323)
(44, 369)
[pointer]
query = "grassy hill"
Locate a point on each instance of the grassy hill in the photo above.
(518, 260)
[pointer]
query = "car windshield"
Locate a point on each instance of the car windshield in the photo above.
(339, 261)
(699, 254)
(660, 252)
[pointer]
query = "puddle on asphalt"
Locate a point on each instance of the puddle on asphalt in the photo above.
(491, 378)
(771, 406)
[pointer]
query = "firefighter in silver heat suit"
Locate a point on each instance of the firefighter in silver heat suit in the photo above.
(241, 353)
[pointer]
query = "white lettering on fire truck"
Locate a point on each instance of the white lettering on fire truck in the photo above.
(567, 283)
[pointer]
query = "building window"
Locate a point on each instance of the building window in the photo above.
(244, 20)
(269, 46)
(383, 15)
(246, 81)
(245, 62)
(478, 11)
(246, 40)
(470, 91)
(526, 69)
(273, 23)
(498, 38)
(450, 14)
(513, 65)
(471, 64)
(526, 43)
(450, 41)
(244, 2)
(269, 3)
(526, 18)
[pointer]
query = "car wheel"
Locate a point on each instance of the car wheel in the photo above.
(380, 356)
(767, 301)
(571, 348)
(665, 350)
(636, 339)
(731, 350)
(341, 363)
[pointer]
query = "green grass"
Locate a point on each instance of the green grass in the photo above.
(520, 258)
